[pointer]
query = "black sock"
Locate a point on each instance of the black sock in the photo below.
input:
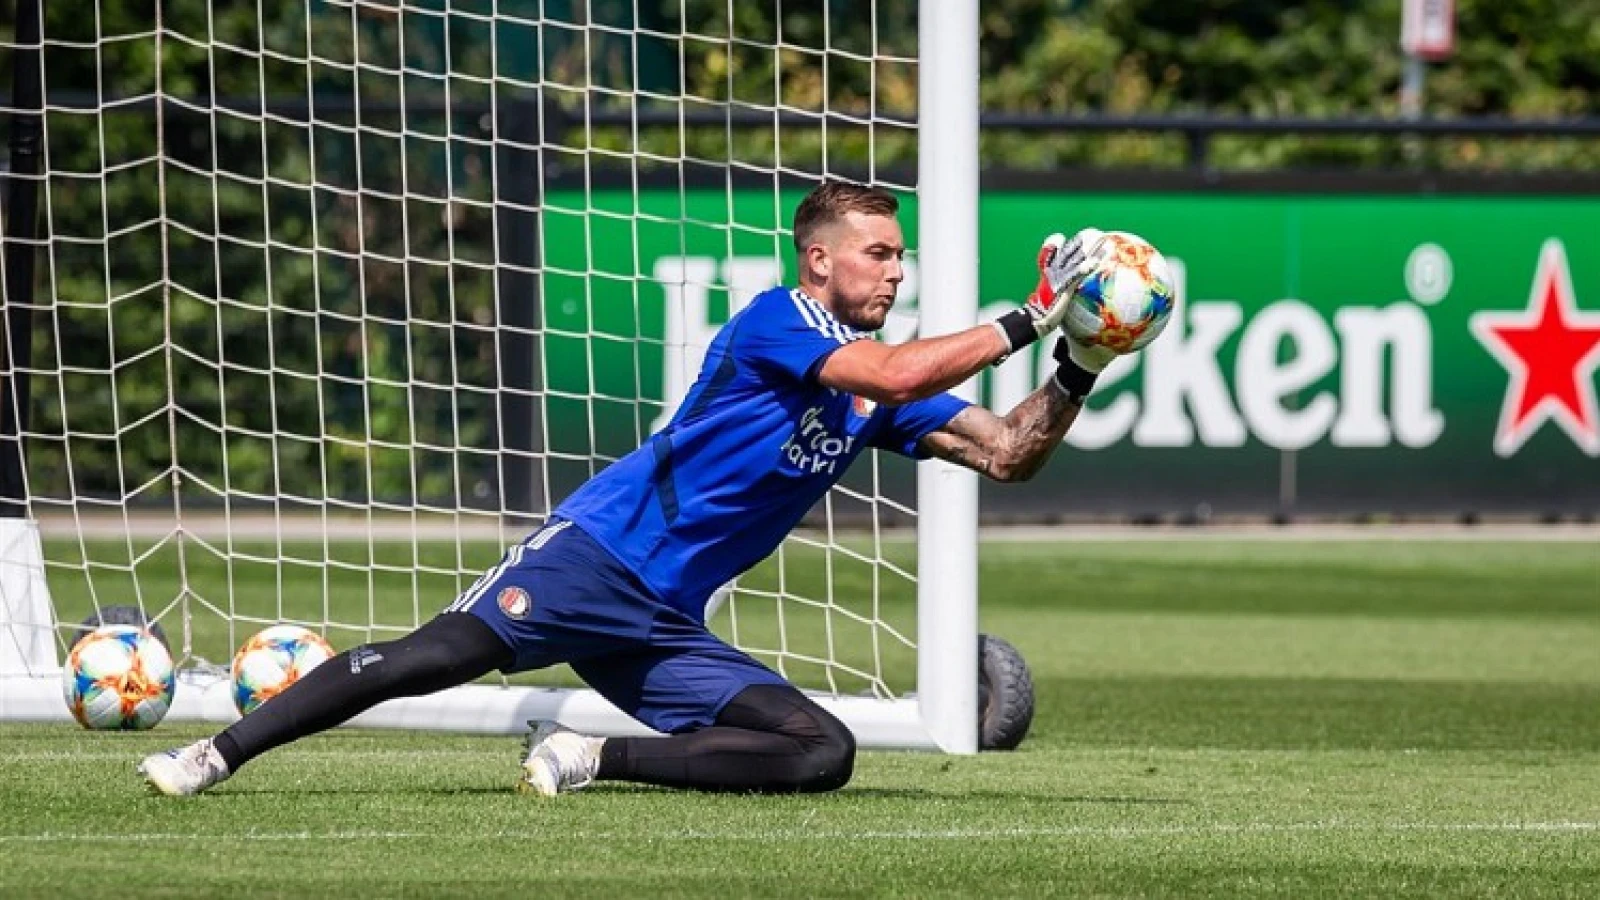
(452, 649)
(229, 751)
(769, 739)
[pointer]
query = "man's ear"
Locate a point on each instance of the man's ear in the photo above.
(819, 260)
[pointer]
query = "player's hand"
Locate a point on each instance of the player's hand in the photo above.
(1063, 263)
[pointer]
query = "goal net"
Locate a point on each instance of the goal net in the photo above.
(331, 301)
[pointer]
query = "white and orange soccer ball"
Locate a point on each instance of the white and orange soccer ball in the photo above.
(273, 659)
(119, 678)
(1126, 301)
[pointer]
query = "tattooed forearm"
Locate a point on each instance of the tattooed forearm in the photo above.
(1008, 449)
(1033, 430)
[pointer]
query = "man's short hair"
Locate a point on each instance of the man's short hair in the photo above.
(828, 203)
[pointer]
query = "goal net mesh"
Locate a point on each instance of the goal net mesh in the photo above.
(335, 300)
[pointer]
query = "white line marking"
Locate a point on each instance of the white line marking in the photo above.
(955, 834)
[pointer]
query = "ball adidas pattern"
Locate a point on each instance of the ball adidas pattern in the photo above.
(272, 660)
(1126, 302)
(119, 678)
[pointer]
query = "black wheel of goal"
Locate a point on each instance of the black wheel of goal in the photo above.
(121, 615)
(1005, 695)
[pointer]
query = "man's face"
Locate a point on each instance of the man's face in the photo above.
(860, 260)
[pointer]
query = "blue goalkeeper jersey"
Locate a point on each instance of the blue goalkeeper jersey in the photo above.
(756, 442)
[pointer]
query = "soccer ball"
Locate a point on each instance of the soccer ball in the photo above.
(1126, 302)
(272, 660)
(119, 678)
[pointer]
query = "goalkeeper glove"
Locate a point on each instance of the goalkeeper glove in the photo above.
(1079, 364)
(1063, 263)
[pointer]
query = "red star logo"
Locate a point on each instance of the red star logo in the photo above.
(1551, 350)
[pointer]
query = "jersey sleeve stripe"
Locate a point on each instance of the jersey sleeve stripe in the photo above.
(543, 535)
(806, 312)
(821, 316)
(818, 317)
(841, 332)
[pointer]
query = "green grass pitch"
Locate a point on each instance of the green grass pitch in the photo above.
(1217, 718)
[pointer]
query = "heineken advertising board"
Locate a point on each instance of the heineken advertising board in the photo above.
(1330, 353)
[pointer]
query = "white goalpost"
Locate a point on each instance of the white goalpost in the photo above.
(312, 308)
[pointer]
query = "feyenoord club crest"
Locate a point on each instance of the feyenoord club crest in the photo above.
(1551, 349)
(514, 602)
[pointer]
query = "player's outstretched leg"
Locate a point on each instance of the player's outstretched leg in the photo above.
(451, 649)
(769, 739)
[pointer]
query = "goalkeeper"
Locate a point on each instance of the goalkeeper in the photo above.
(793, 389)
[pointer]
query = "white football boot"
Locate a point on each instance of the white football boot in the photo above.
(559, 760)
(185, 770)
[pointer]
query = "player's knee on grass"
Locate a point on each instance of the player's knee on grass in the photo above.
(833, 757)
(828, 752)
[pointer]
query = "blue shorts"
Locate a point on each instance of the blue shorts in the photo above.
(559, 597)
